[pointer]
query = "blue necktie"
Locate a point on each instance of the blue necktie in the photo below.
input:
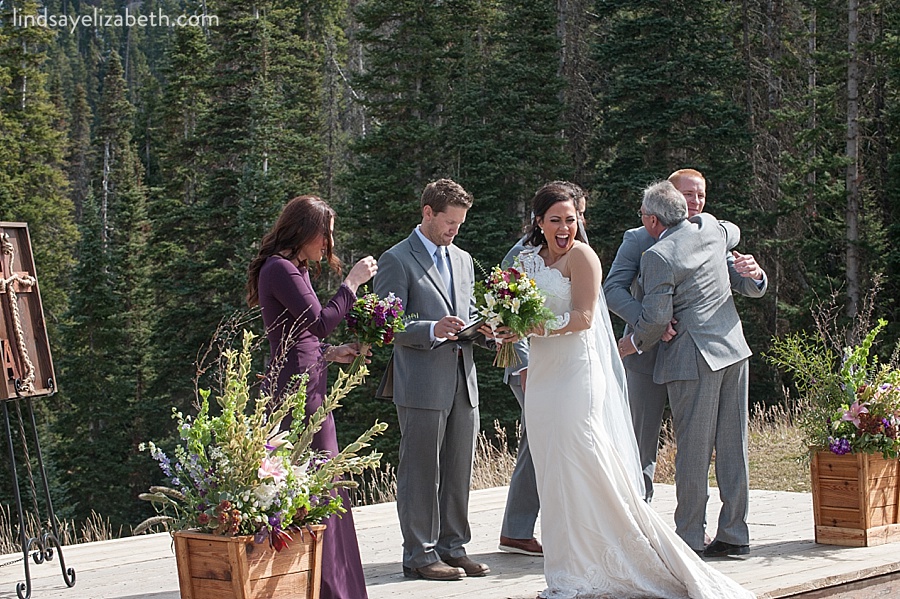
(441, 263)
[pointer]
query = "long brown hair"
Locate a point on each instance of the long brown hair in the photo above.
(300, 221)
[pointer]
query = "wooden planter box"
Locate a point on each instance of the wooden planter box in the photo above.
(215, 567)
(855, 499)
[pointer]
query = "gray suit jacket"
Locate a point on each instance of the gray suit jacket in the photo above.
(624, 293)
(684, 277)
(424, 376)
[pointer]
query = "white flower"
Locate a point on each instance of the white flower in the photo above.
(515, 305)
(490, 301)
(265, 494)
(300, 472)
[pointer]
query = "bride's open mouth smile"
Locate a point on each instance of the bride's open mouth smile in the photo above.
(562, 241)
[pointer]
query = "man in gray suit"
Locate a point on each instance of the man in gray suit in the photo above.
(623, 294)
(522, 502)
(434, 386)
(704, 367)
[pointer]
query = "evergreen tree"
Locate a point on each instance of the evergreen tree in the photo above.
(108, 409)
(505, 128)
(404, 84)
(242, 135)
(33, 185)
(668, 73)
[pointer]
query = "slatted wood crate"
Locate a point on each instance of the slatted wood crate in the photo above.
(216, 567)
(855, 499)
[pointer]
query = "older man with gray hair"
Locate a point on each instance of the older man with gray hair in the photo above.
(704, 366)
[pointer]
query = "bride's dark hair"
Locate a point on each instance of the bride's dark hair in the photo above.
(544, 198)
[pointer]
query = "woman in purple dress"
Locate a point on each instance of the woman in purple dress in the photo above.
(296, 323)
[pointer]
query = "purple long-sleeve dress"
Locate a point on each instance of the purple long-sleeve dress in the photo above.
(291, 307)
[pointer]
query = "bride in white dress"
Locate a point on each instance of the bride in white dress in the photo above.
(601, 540)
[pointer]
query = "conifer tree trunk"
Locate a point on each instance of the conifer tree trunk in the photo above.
(852, 181)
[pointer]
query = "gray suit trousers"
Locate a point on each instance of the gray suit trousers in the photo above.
(647, 401)
(522, 502)
(427, 462)
(711, 413)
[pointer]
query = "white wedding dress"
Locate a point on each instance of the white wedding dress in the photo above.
(601, 540)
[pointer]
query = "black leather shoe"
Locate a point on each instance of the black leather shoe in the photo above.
(722, 549)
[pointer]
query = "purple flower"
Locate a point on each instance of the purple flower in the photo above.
(839, 446)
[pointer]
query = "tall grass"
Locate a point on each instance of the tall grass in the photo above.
(493, 465)
(779, 461)
(95, 528)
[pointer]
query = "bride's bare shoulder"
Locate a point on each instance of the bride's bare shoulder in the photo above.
(584, 252)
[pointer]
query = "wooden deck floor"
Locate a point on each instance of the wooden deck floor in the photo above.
(784, 559)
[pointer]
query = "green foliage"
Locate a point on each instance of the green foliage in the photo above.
(849, 404)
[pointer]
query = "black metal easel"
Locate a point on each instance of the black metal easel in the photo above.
(27, 372)
(40, 547)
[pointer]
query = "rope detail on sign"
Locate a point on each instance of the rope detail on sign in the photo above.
(26, 385)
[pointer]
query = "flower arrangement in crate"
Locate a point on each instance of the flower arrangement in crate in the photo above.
(236, 473)
(509, 297)
(851, 401)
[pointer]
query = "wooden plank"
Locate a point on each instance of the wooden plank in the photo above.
(837, 466)
(783, 559)
(237, 561)
(184, 568)
(839, 492)
(263, 561)
(293, 586)
(209, 588)
(841, 535)
(878, 467)
(862, 492)
(839, 517)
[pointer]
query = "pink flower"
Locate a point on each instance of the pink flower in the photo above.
(272, 468)
(852, 415)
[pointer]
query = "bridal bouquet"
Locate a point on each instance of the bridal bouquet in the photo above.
(512, 299)
(374, 321)
(234, 473)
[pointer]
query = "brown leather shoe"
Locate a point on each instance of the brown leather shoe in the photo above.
(524, 546)
(436, 571)
(471, 568)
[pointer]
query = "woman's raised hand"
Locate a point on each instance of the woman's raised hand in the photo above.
(361, 272)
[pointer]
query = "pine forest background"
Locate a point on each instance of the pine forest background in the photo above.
(149, 161)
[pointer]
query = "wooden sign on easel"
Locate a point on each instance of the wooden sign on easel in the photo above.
(26, 368)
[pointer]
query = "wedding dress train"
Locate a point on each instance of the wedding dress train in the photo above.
(601, 540)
